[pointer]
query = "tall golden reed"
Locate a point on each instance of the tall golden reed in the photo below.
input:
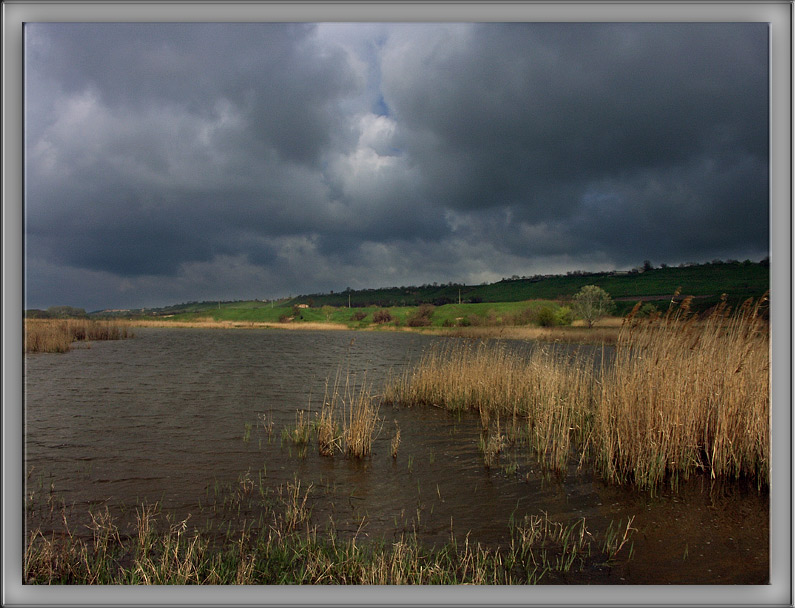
(56, 335)
(545, 390)
(682, 395)
(358, 410)
(687, 395)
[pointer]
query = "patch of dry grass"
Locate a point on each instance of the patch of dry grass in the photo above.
(607, 334)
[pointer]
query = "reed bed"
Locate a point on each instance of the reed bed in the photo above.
(683, 395)
(57, 335)
(687, 395)
(282, 545)
(547, 391)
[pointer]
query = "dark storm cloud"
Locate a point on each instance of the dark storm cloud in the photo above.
(182, 161)
(531, 116)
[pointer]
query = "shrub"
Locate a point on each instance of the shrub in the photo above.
(523, 317)
(359, 316)
(421, 317)
(647, 310)
(382, 316)
(545, 316)
(564, 316)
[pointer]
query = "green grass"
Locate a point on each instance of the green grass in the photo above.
(449, 315)
(280, 544)
(739, 281)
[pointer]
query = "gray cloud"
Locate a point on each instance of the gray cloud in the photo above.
(173, 162)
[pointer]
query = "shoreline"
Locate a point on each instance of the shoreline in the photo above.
(605, 331)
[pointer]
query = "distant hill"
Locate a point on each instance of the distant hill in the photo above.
(738, 280)
(706, 282)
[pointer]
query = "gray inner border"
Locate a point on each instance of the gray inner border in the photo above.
(780, 17)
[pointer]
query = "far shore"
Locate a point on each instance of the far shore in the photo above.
(605, 330)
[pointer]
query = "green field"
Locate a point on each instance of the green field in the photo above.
(502, 302)
(447, 315)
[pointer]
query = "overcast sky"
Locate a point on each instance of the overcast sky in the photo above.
(173, 162)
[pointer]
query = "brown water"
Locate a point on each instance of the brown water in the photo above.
(163, 417)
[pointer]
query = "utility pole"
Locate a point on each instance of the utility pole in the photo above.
(349, 299)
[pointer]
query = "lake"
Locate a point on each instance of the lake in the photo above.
(172, 414)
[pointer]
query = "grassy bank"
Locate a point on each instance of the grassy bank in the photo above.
(58, 335)
(682, 396)
(279, 544)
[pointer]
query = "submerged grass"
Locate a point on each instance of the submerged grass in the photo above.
(682, 395)
(57, 335)
(280, 545)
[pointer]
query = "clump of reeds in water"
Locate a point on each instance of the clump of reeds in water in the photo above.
(329, 439)
(682, 395)
(348, 420)
(300, 433)
(57, 335)
(685, 395)
(361, 420)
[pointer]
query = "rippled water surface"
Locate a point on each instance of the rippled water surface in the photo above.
(173, 412)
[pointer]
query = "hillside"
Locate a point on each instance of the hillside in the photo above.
(706, 282)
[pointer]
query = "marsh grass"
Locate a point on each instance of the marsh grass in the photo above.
(276, 542)
(491, 444)
(618, 536)
(361, 421)
(348, 420)
(395, 443)
(683, 395)
(267, 423)
(687, 395)
(546, 391)
(300, 433)
(57, 335)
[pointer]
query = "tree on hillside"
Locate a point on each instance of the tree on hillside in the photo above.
(592, 303)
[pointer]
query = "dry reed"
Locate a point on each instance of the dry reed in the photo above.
(545, 390)
(682, 395)
(353, 408)
(360, 420)
(687, 395)
(57, 335)
(396, 440)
